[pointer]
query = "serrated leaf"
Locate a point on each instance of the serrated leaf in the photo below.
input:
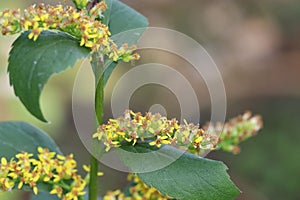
(188, 177)
(126, 26)
(16, 137)
(32, 63)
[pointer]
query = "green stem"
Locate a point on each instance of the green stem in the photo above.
(99, 100)
(93, 185)
(98, 67)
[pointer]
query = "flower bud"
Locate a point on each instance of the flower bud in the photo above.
(81, 4)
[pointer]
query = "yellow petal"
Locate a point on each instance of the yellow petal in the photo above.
(20, 185)
(3, 161)
(35, 190)
(86, 168)
(100, 174)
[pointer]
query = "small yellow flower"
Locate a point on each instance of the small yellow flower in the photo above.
(57, 190)
(138, 191)
(35, 190)
(98, 135)
(86, 168)
(47, 167)
(34, 33)
(159, 141)
(83, 25)
(3, 161)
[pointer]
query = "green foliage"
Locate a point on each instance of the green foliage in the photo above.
(123, 18)
(273, 156)
(106, 13)
(126, 26)
(16, 137)
(32, 63)
(188, 177)
(44, 196)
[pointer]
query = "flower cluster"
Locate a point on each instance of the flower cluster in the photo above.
(156, 130)
(83, 25)
(138, 191)
(57, 171)
(235, 131)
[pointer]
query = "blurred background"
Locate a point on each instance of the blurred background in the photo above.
(256, 46)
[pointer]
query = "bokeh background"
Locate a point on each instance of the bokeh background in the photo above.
(256, 46)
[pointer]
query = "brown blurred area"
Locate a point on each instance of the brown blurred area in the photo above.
(256, 46)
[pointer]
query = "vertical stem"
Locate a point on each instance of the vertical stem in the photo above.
(98, 66)
(93, 185)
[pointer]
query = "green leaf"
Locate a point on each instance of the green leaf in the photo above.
(123, 18)
(188, 177)
(44, 196)
(47, 196)
(32, 63)
(16, 137)
(126, 26)
(106, 13)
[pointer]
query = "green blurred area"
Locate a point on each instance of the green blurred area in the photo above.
(257, 48)
(268, 165)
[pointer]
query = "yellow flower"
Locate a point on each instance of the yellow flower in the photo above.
(138, 191)
(35, 190)
(83, 25)
(57, 190)
(27, 25)
(3, 162)
(160, 140)
(34, 33)
(46, 167)
(98, 135)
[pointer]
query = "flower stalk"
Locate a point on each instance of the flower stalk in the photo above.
(98, 67)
